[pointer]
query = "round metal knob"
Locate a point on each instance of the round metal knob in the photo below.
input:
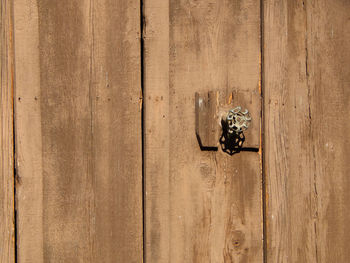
(237, 120)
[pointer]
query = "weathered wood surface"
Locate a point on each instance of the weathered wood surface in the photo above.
(201, 206)
(307, 139)
(7, 220)
(78, 131)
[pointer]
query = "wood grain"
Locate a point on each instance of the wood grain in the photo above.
(201, 206)
(78, 128)
(7, 215)
(116, 135)
(307, 143)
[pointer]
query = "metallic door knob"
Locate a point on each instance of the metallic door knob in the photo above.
(237, 121)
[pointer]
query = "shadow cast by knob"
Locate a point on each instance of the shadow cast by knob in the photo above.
(232, 143)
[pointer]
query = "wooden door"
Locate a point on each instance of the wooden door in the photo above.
(100, 160)
(200, 206)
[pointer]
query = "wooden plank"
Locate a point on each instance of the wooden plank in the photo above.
(7, 217)
(29, 187)
(307, 141)
(117, 134)
(329, 81)
(290, 230)
(78, 131)
(201, 206)
(157, 211)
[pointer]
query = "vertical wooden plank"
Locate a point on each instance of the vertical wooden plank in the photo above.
(156, 132)
(29, 184)
(306, 94)
(117, 142)
(288, 163)
(78, 131)
(328, 27)
(7, 227)
(201, 206)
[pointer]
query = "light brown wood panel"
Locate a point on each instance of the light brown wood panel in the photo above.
(117, 142)
(329, 81)
(288, 163)
(7, 224)
(307, 143)
(201, 206)
(78, 131)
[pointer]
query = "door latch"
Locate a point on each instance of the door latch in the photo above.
(223, 119)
